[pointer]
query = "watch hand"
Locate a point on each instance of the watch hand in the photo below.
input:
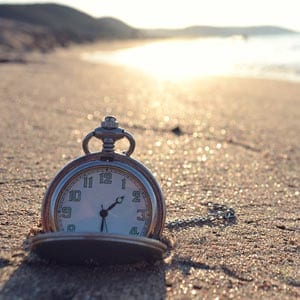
(119, 200)
(105, 225)
(103, 215)
(102, 225)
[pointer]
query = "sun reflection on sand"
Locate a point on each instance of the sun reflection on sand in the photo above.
(176, 59)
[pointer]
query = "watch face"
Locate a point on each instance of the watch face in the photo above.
(104, 199)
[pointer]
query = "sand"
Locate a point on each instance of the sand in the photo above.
(238, 145)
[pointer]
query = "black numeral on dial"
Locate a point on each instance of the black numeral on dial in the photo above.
(75, 195)
(71, 228)
(66, 212)
(134, 231)
(136, 196)
(87, 182)
(141, 214)
(105, 178)
(123, 183)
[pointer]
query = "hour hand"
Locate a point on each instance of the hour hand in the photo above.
(119, 200)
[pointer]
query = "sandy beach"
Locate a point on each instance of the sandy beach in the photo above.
(224, 140)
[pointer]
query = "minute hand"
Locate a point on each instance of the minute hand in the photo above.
(119, 200)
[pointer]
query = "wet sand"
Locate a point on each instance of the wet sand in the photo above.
(238, 145)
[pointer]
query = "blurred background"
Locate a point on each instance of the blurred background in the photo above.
(181, 39)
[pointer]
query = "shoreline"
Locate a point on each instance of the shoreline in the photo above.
(108, 48)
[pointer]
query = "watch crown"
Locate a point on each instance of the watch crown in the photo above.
(110, 122)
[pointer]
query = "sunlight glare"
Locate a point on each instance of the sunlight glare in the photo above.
(184, 59)
(176, 59)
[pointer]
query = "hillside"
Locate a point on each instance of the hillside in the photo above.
(108, 27)
(16, 36)
(52, 16)
(207, 31)
(45, 26)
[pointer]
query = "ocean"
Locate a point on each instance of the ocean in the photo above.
(275, 57)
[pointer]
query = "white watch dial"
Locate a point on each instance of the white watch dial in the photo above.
(104, 199)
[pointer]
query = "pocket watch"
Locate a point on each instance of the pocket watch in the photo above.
(103, 207)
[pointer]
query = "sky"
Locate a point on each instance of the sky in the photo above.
(183, 13)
